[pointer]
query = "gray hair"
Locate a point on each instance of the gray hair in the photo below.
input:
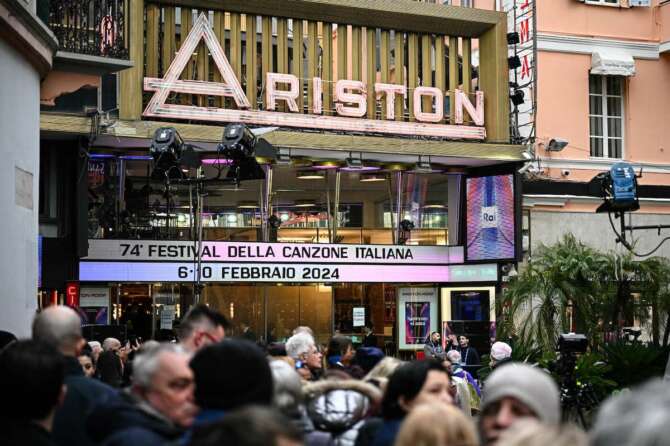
(287, 387)
(146, 364)
(94, 344)
(299, 344)
(110, 344)
(637, 418)
(303, 329)
(58, 326)
(454, 356)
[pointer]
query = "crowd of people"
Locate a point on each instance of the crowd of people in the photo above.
(208, 389)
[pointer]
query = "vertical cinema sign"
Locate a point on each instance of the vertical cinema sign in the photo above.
(284, 89)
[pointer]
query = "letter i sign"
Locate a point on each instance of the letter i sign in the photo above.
(230, 85)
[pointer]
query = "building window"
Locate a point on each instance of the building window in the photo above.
(606, 116)
(603, 2)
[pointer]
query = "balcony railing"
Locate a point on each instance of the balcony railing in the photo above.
(91, 27)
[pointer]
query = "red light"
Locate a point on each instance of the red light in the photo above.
(72, 294)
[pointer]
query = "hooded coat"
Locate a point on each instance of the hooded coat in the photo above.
(340, 407)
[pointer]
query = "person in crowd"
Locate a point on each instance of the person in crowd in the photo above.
(308, 359)
(110, 363)
(367, 357)
(228, 375)
(411, 385)
(463, 393)
(60, 327)
(276, 350)
(433, 348)
(303, 329)
(341, 353)
(87, 364)
(640, 417)
(289, 399)
(469, 355)
(501, 353)
(384, 369)
(250, 426)
(33, 374)
(435, 424)
(6, 338)
(202, 326)
(96, 349)
(341, 406)
(457, 370)
(533, 433)
(513, 392)
(369, 340)
(247, 333)
(157, 407)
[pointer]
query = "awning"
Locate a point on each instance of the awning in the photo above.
(612, 63)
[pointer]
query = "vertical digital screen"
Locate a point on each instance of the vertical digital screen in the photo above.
(490, 217)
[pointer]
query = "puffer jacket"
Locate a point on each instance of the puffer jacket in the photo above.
(340, 407)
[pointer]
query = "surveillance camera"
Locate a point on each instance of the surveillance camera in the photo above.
(557, 144)
(565, 172)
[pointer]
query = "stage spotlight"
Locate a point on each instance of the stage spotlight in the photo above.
(513, 62)
(513, 38)
(238, 145)
(517, 97)
(166, 150)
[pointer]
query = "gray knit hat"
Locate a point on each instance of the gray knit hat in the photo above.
(530, 385)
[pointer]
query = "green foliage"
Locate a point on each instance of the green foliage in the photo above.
(631, 364)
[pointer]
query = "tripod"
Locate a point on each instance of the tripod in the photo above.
(576, 398)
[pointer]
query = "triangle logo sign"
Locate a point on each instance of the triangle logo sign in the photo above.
(229, 86)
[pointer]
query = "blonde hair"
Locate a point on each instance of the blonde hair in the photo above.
(436, 424)
(383, 369)
(534, 433)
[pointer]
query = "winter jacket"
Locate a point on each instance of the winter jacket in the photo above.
(340, 407)
(83, 394)
(129, 421)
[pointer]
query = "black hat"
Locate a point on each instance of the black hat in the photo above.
(231, 374)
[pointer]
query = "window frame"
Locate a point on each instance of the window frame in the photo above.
(605, 116)
(616, 4)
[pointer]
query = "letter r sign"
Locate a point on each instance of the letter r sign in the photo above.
(489, 217)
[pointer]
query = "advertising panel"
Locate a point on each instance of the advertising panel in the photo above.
(417, 316)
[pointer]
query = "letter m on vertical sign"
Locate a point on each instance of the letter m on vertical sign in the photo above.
(230, 85)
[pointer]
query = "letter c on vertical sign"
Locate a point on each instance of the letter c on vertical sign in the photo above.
(342, 98)
(436, 95)
(272, 94)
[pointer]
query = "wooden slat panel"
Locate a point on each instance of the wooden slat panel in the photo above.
(371, 70)
(327, 67)
(312, 60)
(251, 60)
(453, 75)
(130, 100)
(282, 53)
(297, 63)
(494, 82)
(467, 65)
(440, 64)
(202, 59)
(220, 31)
(152, 30)
(186, 24)
(266, 50)
(384, 59)
(356, 53)
(399, 72)
(412, 70)
(342, 56)
(426, 68)
(169, 45)
(236, 44)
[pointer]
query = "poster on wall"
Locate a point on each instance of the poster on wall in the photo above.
(94, 305)
(417, 316)
(490, 218)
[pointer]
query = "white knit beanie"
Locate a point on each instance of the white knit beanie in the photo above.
(532, 386)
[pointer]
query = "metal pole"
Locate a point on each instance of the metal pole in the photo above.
(328, 210)
(390, 191)
(268, 201)
(336, 213)
(201, 193)
(398, 204)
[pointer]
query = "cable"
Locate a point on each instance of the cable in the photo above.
(628, 246)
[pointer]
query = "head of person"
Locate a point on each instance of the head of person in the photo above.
(368, 357)
(500, 352)
(287, 387)
(96, 349)
(303, 329)
(413, 384)
(301, 347)
(342, 347)
(454, 356)
(111, 345)
(202, 326)
(463, 341)
(533, 433)
(6, 338)
(60, 327)
(162, 378)
(367, 330)
(435, 337)
(231, 374)
(249, 426)
(640, 417)
(514, 392)
(87, 363)
(33, 373)
(437, 424)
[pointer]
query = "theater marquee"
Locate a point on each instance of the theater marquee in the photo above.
(173, 261)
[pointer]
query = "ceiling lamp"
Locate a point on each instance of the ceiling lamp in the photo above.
(304, 203)
(425, 167)
(356, 165)
(326, 165)
(217, 161)
(434, 205)
(310, 174)
(372, 177)
(247, 205)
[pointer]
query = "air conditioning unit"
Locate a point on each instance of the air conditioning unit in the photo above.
(646, 3)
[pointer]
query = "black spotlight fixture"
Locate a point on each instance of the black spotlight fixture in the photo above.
(166, 150)
(513, 38)
(406, 227)
(513, 62)
(517, 97)
(238, 145)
